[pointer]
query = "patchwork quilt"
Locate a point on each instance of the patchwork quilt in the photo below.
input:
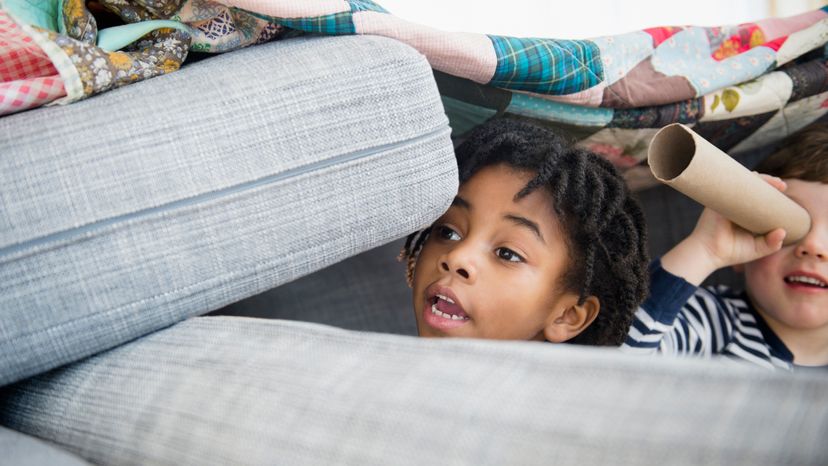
(740, 86)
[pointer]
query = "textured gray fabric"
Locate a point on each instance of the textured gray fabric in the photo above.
(22, 450)
(215, 124)
(365, 292)
(229, 390)
(240, 172)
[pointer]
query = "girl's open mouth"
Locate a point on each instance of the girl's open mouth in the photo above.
(442, 310)
(445, 307)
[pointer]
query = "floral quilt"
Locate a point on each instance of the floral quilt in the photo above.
(740, 86)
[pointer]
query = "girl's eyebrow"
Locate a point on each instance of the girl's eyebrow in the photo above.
(516, 219)
(525, 222)
(460, 202)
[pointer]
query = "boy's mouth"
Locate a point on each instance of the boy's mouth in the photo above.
(805, 280)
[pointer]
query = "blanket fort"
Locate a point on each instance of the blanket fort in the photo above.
(739, 86)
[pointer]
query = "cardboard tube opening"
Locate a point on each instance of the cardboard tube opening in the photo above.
(682, 159)
(679, 144)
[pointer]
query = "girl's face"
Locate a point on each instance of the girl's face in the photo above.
(491, 266)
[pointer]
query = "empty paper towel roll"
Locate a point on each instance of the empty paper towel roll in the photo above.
(689, 163)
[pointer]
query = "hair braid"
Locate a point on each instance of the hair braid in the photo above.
(413, 243)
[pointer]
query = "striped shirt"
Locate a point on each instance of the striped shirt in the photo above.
(680, 318)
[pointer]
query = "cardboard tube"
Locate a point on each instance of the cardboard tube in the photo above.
(682, 159)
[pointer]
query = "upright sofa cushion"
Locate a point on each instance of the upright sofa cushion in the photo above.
(229, 390)
(133, 210)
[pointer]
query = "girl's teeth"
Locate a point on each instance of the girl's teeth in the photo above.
(436, 311)
(445, 298)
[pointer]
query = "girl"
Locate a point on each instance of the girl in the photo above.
(542, 242)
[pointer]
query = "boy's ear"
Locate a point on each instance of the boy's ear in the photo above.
(571, 318)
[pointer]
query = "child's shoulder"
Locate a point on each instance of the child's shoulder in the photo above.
(731, 297)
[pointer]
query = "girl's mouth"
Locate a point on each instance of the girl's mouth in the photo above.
(445, 307)
(443, 310)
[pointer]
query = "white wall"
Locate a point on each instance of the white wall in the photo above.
(792, 7)
(579, 19)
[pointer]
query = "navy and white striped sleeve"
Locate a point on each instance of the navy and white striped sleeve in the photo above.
(661, 323)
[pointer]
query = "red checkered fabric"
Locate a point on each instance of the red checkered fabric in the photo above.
(27, 77)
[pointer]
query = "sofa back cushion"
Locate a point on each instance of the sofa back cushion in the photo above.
(130, 211)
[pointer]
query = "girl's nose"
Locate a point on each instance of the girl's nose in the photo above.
(460, 270)
(459, 261)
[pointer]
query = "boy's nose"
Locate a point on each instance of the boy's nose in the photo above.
(814, 245)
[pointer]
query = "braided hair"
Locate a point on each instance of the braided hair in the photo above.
(603, 225)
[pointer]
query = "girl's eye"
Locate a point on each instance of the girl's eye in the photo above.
(447, 233)
(508, 255)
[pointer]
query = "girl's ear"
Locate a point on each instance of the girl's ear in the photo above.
(571, 318)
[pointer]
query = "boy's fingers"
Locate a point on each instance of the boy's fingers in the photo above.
(773, 240)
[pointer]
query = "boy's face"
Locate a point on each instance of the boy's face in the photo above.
(790, 287)
(491, 265)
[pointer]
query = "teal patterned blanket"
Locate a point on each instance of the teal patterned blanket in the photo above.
(740, 86)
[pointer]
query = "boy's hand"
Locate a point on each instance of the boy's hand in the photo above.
(717, 242)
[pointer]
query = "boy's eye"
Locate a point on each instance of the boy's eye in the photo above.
(447, 233)
(508, 255)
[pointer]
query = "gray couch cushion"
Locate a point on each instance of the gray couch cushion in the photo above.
(22, 450)
(133, 210)
(229, 390)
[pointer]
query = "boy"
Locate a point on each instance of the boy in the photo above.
(542, 242)
(781, 320)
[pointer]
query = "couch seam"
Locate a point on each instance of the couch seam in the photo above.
(200, 198)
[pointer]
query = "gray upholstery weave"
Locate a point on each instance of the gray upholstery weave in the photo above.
(229, 390)
(22, 450)
(133, 210)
